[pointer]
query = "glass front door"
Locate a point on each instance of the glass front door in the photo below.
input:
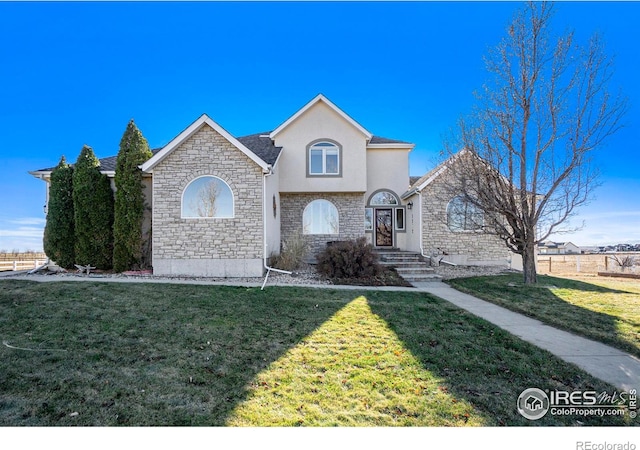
(384, 227)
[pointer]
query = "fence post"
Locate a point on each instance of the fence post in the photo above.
(578, 263)
(15, 266)
(549, 264)
(606, 264)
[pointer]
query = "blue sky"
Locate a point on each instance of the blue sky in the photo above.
(75, 73)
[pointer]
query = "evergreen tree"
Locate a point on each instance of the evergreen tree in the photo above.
(59, 238)
(93, 208)
(129, 199)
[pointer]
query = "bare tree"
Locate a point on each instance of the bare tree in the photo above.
(526, 162)
(206, 200)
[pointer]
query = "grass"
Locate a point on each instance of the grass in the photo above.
(606, 310)
(108, 354)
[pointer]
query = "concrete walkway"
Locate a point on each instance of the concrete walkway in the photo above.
(606, 363)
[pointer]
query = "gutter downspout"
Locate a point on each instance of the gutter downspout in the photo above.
(266, 174)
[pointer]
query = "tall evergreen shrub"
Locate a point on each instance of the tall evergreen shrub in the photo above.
(59, 238)
(129, 200)
(93, 208)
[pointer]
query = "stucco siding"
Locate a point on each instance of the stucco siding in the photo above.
(317, 123)
(207, 246)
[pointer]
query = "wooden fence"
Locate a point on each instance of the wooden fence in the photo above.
(21, 261)
(21, 265)
(590, 264)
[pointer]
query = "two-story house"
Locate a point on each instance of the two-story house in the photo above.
(221, 205)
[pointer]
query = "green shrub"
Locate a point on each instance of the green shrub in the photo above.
(93, 212)
(349, 259)
(294, 250)
(129, 200)
(59, 237)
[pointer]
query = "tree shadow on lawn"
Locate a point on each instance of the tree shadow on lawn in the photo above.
(540, 302)
(481, 363)
(143, 354)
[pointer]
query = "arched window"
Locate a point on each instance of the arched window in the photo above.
(207, 197)
(324, 159)
(320, 217)
(464, 216)
(383, 198)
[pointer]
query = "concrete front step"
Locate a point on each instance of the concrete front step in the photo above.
(410, 270)
(410, 266)
(423, 277)
(407, 264)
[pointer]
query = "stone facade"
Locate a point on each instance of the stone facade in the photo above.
(350, 213)
(461, 247)
(207, 246)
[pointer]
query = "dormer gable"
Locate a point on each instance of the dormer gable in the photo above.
(320, 99)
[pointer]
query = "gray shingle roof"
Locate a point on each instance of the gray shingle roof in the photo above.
(258, 143)
(262, 146)
(383, 140)
(107, 164)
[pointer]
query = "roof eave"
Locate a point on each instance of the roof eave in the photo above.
(191, 130)
(398, 146)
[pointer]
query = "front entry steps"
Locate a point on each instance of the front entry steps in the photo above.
(409, 265)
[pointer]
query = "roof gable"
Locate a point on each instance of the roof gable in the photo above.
(191, 130)
(429, 177)
(321, 98)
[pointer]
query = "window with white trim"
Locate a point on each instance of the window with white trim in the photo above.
(207, 197)
(320, 217)
(324, 159)
(464, 216)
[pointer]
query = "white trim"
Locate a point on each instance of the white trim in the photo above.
(333, 148)
(191, 130)
(41, 174)
(326, 101)
(391, 146)
(233, 200)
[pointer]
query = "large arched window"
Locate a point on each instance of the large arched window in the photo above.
(207, 197)
(464, 216)
(324, 159)
(320, 217)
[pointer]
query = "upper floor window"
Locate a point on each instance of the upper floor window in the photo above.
(320, 217)
(464, 216)
(207, 197)
(324, 159)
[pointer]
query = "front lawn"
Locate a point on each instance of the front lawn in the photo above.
(105, 354)
(606, 310)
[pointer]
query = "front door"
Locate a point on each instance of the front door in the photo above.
(384, 227)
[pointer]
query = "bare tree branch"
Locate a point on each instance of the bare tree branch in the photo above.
(529, 142)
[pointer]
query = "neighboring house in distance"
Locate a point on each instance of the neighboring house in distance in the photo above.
(558, 248)
(221, 205)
